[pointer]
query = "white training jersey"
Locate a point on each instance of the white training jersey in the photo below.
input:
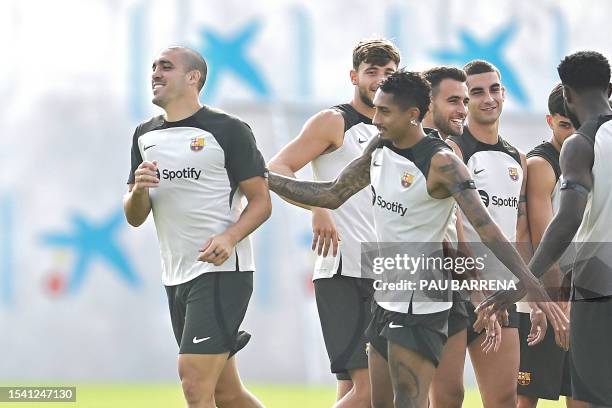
(354, 220)
(201, 160)
(404, 212)
(592, 273)
(498, 175)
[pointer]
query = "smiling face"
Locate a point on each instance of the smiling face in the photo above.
(449, 107)
(486, 97)
(368, 77)
(170, 80)
(390, 119)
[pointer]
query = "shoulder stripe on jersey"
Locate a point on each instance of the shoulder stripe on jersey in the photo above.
(548, 152)
(422, 152)
(351, 116)
(590, 127)
(470, 145)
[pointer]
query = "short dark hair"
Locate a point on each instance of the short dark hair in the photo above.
(585, 70)
(409, 89)
(437, 74)
(476, 67)
(377, 51)
(193, 62)
(556, 104)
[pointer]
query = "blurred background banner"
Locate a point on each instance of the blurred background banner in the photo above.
(80, 291)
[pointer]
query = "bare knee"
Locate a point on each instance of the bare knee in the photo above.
(449, 397)
(225, 398)
(343, 388)
(407, 389)
(362, 392)
(501, 398)
(198, 388)
(196, 393)
(405, 396)
(527, 402)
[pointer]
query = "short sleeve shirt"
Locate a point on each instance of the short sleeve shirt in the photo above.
(200, 161)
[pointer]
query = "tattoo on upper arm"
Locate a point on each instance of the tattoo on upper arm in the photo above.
(305, 192)
(463, 190)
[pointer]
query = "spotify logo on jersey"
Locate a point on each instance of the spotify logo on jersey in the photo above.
(496, 201)
(484, 197)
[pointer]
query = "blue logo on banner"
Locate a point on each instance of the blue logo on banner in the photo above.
(491, 50)
(93, 241)
(229, 54)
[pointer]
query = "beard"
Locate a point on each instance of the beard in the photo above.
(570, 115)
(365, 98)
(444, 127)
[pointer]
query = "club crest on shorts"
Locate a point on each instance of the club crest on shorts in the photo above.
(407, 179)
(524, 378)
(197, 144)
(513, 172)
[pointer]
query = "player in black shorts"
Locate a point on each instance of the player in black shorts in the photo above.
(499, 171)
(544, 368)
(447, 113)
(191, 167)
(409, 334)
(585, 213)
(329, 141)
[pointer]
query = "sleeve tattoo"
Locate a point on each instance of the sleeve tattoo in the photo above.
(354, 177)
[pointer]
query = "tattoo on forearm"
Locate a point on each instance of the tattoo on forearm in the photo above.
(353, 178)
(305, 192)
(471, 205)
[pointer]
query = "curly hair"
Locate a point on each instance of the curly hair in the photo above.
(409, 89)
(585, 70)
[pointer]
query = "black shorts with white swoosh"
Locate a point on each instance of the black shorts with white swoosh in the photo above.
(208, 310)
(344, 306)
(425, 334)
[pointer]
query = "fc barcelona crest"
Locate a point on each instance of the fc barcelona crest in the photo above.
(407, 179)
(197, 144)
(513, 172)
(524, 378)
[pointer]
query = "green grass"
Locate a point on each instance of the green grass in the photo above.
(170, 396)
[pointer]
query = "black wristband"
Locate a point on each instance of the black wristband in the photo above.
(572, 185)
(464, 185)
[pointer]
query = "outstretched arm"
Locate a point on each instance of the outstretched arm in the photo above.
(452, 177)
(331, 194)
(576, 162)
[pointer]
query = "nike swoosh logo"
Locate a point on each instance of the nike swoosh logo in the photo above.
(394, 326)
(362, 141)
(478, 171)
(196, 340)
(148, 147)
(376, 164)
